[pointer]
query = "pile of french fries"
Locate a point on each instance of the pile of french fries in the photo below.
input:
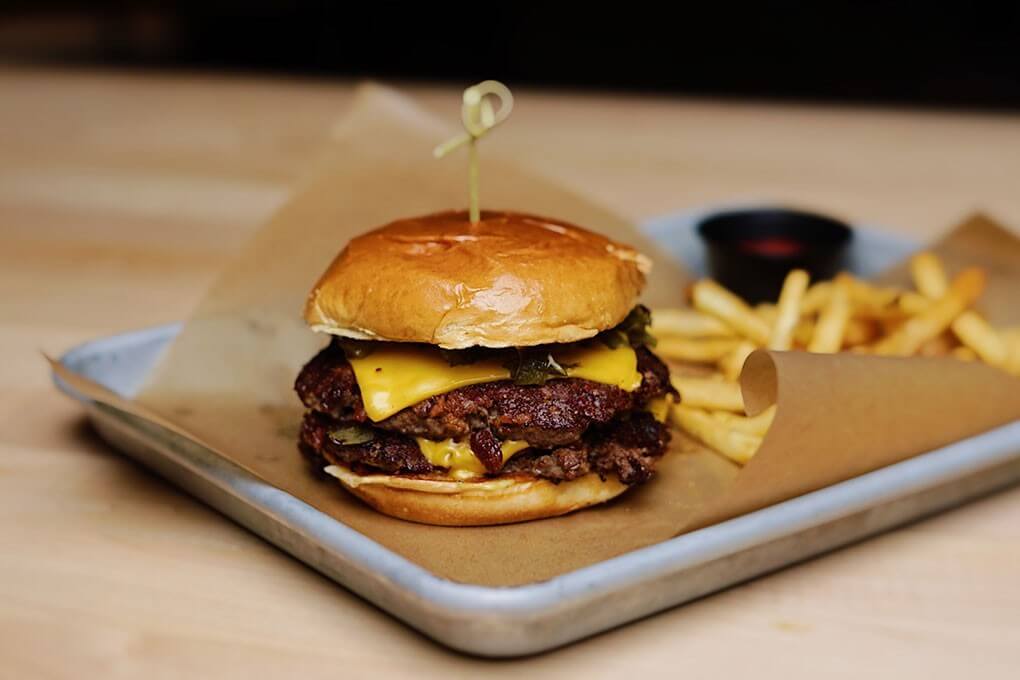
(719, 330)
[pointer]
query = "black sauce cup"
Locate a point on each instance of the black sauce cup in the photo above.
(751, 251)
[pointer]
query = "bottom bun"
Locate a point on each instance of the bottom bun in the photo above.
(468, 503)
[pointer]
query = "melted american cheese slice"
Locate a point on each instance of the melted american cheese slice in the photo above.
(458, 456)
(659, 407)
(394, 376)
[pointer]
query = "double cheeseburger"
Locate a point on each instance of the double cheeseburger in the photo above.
(483, 373)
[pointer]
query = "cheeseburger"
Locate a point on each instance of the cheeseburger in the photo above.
(483, 373)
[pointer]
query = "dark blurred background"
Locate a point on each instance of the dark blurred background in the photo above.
(959, 55)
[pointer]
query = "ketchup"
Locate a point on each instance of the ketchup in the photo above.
(773, 246)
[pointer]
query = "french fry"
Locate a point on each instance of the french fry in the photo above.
(767, 312)
(860, 332)
(757, 425)
(698, 350)
(830, 330)
(929, 276)
(711, 298)
(737, 446)
(889, 324)
(804, 331)
(732, 363)
(709, 393)
(939, 346)
(911, 303)
(909, 337)
(974, 332)
(816, 297)
(964, 353)
(688, 323)
(790, 297)
(864, 294)
(889, 316)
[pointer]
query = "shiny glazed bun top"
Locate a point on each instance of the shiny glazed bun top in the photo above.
(511, 280)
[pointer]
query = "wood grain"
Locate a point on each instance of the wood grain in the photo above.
(122, 194)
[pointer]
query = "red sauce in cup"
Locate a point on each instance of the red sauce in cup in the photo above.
(772, 246)
(750, 251)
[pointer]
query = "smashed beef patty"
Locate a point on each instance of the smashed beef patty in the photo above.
(627, 448)
(546, 416)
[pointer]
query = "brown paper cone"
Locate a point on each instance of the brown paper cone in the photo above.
(839, 416)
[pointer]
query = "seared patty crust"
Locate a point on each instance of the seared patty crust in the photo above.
(546, 416)
(627, 448)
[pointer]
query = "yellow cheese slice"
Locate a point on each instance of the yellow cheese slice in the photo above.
(659, 407)
(395, 376)
(600, 364)
(458, 456)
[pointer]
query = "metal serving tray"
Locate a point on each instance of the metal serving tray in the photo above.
(504, 622)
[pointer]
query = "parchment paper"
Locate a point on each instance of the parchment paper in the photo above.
(227, 379)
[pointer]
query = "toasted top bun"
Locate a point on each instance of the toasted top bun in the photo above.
(462, 504)
(511, 280)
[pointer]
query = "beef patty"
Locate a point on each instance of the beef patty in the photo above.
(626, 447)
(546, 416)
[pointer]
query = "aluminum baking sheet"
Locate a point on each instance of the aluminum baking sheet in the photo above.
(513, 621)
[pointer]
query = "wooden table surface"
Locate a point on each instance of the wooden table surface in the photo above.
(121, 195)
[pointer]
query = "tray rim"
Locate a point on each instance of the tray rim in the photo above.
(684, 551)
(539, 616)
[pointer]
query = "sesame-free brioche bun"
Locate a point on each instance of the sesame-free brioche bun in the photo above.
(511, 280)
(468, 503)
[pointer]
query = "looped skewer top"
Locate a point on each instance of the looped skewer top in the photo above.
(478, 116)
